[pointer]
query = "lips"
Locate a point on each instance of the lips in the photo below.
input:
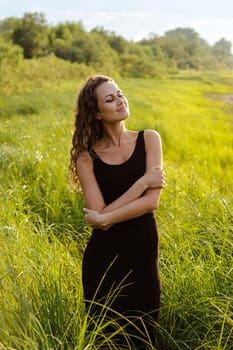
(122, 108)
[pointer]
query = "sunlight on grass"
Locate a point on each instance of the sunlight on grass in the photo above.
(43, 235)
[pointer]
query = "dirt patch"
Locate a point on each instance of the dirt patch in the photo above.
(228, 98)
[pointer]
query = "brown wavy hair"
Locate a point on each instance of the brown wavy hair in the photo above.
(87, 129)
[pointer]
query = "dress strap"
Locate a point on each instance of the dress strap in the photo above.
(93, 154)
(141, 138)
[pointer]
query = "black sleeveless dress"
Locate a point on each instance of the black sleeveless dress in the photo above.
(120, 266)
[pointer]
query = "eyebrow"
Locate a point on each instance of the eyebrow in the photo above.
(112, 94)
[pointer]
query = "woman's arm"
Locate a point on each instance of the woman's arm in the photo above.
(128, 211)
(154, 158)
(137, 206)
(154, 177)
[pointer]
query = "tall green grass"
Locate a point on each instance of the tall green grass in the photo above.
(43, 235)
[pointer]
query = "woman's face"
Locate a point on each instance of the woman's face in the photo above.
(112, 104)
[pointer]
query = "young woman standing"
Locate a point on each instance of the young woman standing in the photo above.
(120, 174)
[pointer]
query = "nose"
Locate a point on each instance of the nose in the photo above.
(119, 101)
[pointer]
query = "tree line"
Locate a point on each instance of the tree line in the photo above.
(182, 48)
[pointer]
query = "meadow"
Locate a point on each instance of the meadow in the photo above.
(43, 235)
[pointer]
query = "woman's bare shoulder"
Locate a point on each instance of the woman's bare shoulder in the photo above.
(150, 135)
(84, 158)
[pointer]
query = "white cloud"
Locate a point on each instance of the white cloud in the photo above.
(105, 18)
(118, 14)
(214, 28)
(87, 16)
(140, 35)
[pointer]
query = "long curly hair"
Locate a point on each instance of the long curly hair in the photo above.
(87, 128)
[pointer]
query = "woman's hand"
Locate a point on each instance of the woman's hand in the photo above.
(155, 177)
(95, 219)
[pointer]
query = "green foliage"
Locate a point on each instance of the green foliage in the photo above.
(222, 51)
(10, 54)
(67, 40)
(39, 74)
(99, 54)
(109, 53)
(42, 233)
(31, 34)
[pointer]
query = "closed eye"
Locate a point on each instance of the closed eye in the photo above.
(110, 97)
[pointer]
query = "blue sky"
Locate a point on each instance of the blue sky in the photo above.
(134, 19)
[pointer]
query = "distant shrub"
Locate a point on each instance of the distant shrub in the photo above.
(39, 73)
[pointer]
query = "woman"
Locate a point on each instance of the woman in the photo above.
(120, 174)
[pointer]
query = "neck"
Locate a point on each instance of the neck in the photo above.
(115, 135)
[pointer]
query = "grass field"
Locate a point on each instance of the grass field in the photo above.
(43, 236)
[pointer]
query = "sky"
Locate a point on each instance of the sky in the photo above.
(134, 19)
